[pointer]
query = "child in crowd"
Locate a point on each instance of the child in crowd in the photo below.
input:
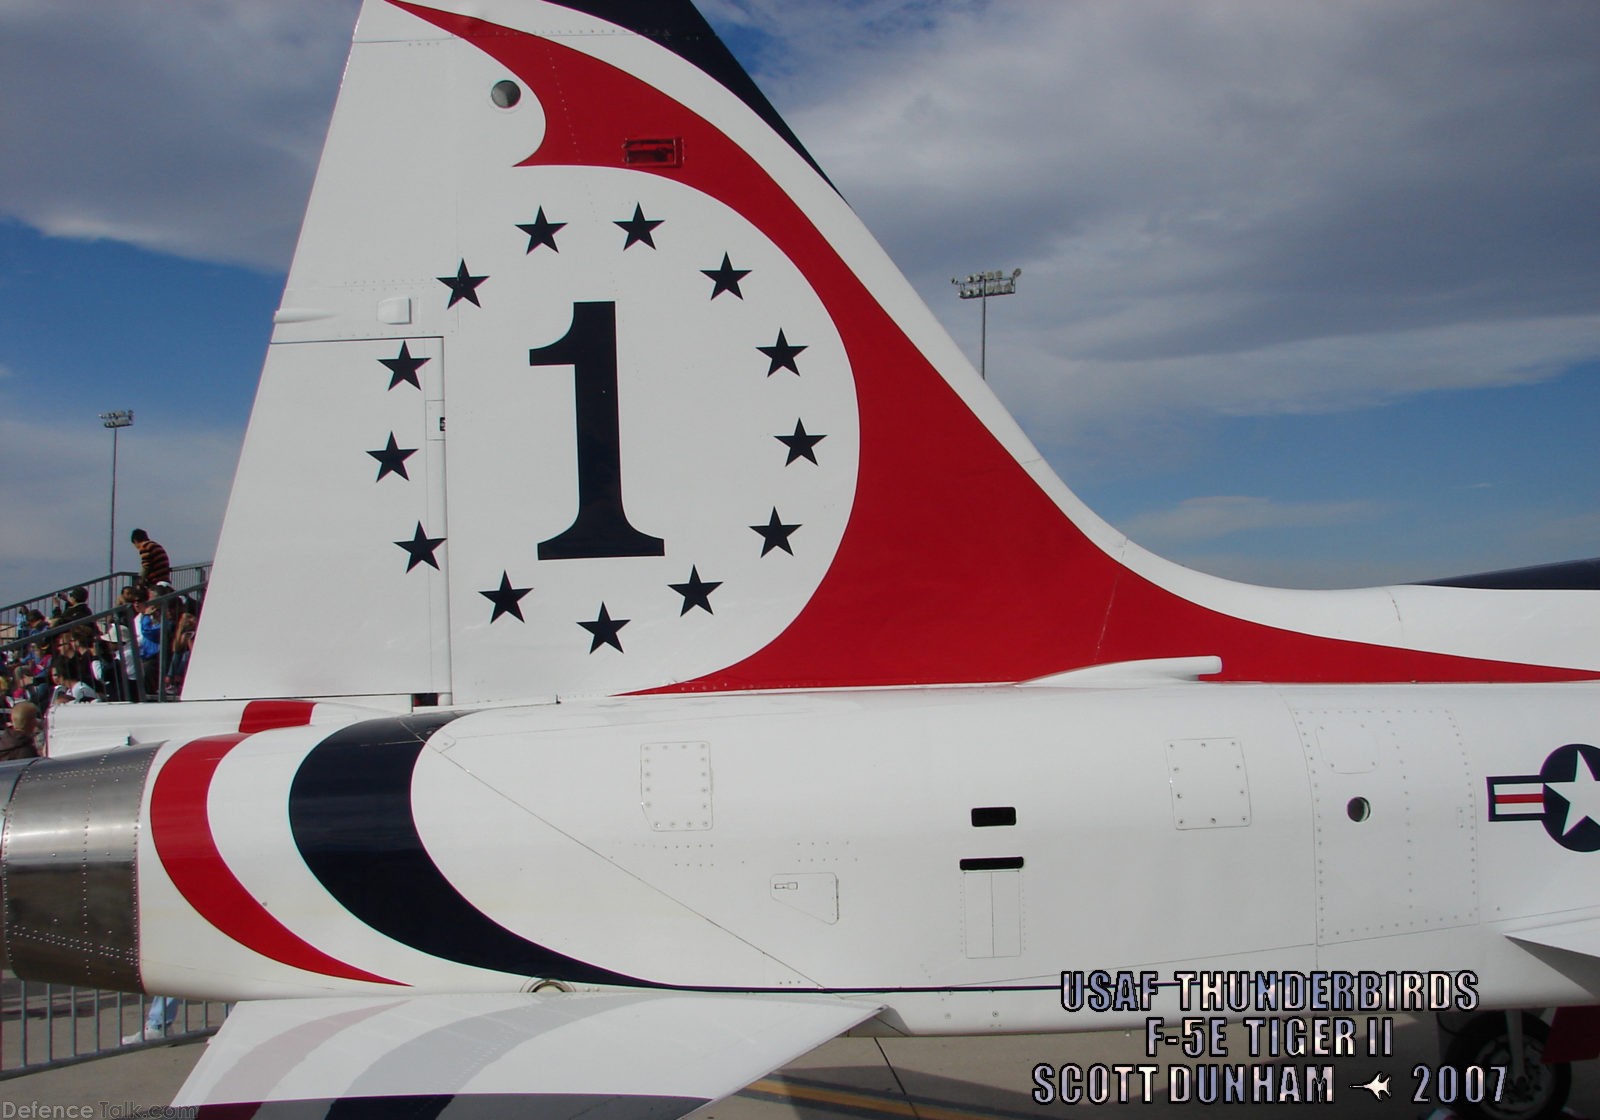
(21, 739)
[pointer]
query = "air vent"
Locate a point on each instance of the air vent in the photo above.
(995, 816)
(655, 152)
(999, 863)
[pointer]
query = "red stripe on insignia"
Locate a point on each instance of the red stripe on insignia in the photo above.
(1519, 798)
(264, 715)
(180, 826)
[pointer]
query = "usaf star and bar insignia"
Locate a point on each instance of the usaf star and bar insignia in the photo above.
(1564, 796)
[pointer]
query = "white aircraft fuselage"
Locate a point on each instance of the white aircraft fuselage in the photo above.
(948, 852)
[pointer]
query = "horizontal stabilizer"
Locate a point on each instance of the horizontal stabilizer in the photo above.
(1575, 937)
(618, 1055)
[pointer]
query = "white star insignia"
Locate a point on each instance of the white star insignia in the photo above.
(1582, 795)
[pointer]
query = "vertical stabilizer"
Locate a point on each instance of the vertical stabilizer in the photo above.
(586, 381)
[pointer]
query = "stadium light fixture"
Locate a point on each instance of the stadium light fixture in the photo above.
(116, 421)
(980, 286)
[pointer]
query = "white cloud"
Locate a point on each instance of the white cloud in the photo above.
(1094, 402)
(190, 129)
(1209, 518)
(1180, 181)
(1301, 207)
(63, 535)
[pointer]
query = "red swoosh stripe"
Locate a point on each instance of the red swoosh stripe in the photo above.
(973, 519)
(180, 826)
(264, 715)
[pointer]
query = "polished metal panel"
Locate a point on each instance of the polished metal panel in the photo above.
(67, 869)
(9, 773)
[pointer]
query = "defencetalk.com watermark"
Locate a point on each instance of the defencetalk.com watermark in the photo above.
(99, 1110)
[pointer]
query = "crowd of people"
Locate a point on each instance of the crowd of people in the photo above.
(139, 651)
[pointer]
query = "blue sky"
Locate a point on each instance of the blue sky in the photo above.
(1311, 292)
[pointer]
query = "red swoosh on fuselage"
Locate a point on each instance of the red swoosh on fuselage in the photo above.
(180, 826)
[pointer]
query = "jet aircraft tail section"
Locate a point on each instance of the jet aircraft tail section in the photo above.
(586, 381)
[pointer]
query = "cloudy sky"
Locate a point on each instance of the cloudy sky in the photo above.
(1310, 291)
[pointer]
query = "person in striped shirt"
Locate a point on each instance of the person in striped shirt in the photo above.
(153, 563)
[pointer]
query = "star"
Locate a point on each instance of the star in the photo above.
(782, 355)
(775, 534)
(540, 232)
(421, 548)
(462, 287)
(392, 459)
(696, 593)
(605, 630)
(801, 445)
(639, 228)
(506, 599)
(404, 367)
(1581, 794)
(726, 278)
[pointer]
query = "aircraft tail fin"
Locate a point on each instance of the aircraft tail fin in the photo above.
(587, 381)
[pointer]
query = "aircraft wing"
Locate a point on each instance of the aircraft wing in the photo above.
(602, 1056)
(1582, 936)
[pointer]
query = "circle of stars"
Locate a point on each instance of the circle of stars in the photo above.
(695, 591)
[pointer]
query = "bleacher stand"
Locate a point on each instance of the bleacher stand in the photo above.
(112, 639)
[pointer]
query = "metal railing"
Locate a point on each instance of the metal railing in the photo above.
(116, 628)
(43, 1026)
(102, 591)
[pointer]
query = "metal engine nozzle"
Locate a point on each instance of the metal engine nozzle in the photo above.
(67, 868)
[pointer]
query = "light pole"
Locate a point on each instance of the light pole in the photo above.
(116, 421)
(982, 285)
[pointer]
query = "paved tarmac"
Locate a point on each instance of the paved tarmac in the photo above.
(926, 1079)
